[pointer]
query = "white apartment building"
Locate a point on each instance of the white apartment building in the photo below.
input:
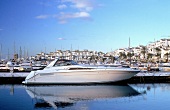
(77, 54)
(151, 48)
(163, 43)
(117, 52)
(136, 50)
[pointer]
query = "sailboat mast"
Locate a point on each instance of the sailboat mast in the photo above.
(130, 51)
(8, 53)
(71, 52)
(20, 53)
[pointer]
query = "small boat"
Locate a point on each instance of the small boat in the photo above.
(62, 71)
(28, 66)
(164, 67)
(9, 67)
(147, 67)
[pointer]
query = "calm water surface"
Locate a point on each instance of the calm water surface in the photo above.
(94, 97)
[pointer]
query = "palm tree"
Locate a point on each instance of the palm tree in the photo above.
(94, 58)
(104, 59)
(91, 58)
(149, 56)
(144, 51)
(167, 55)
(111, 58)
(100, 53)
(129, 55)
(158, 52)
(122, 55)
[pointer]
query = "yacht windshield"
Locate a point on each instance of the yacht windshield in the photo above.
(63, 62)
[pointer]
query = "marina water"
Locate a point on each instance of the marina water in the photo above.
(86, 97)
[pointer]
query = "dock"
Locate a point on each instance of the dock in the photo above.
(150, 77)
(141, 77)
(12, 78)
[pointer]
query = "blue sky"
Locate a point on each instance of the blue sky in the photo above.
(101, 25)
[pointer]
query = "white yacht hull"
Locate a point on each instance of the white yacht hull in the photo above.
(80, 76)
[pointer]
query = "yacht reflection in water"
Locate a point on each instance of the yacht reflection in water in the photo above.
(64, 96)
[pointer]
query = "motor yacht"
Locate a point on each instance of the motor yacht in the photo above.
(62, 71)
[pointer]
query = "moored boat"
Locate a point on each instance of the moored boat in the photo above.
(62, 71)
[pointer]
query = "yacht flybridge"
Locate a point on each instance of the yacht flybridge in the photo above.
(62, 71)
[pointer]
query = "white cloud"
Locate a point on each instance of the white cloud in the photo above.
(74, 9)
(62, 6)
(81, 15)
(1, 29)
(64, 17)
(83, 5)
(42, 16)
(60, 38)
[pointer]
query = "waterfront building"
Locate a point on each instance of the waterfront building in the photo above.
(156, 51)
(153, 51)
(15, 57)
